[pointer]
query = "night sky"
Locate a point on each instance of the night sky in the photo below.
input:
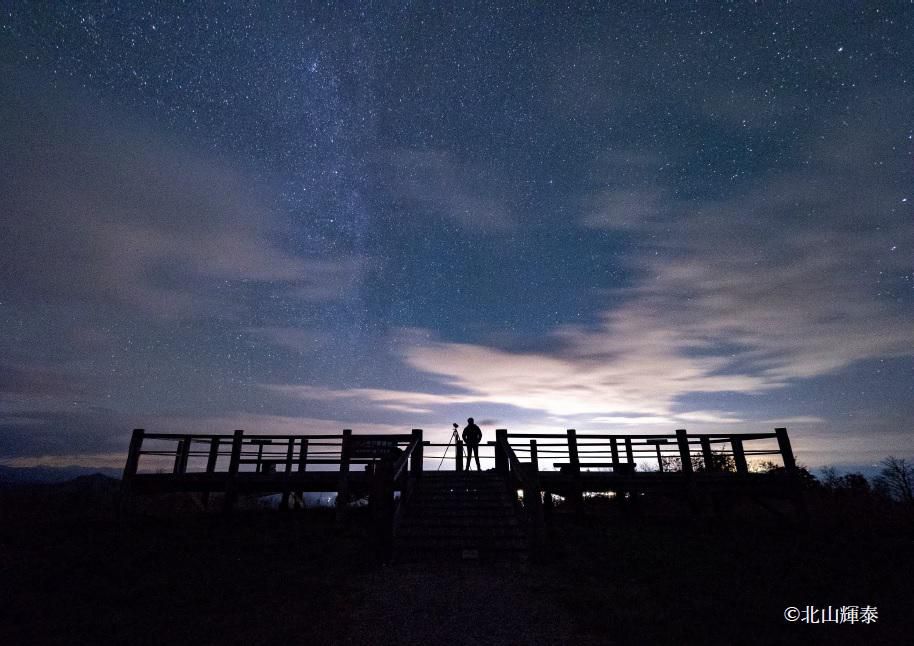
(300, 218)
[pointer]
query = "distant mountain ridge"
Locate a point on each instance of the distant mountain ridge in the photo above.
(51, 475)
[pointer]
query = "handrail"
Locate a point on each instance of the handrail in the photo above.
(517, 467)
(228, 436)
(403, 460)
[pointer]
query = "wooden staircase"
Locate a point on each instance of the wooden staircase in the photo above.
(461, 516)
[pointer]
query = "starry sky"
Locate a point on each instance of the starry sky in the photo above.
(293, 217)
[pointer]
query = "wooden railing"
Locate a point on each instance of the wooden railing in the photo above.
(284, 463)
(524, 476)
(680, 451)
(535, 463)
(628, 465)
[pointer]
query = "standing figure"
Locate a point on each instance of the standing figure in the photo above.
(472, 436)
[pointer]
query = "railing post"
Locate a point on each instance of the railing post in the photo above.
(739, 455)
(614, 449)
(342, 493)
(415, 465)
(685, 457)
(790, 463)
(302, 467)
(211, 460)
(290, 456)
(630, 495)
(231, 494)
(685, 454)
(182, 454)
(533, 502)
(575, 465)
(790, 467)
(706, 455)
(460, 455)
(501, 458)
(213, 456)
(303, 455)
(133, 455)
(130, 469)
(380, 504)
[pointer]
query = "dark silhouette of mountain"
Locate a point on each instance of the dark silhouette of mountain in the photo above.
(51, 475)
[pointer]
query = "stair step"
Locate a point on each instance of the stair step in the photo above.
(467, 521)
(461, 517)
(456, 543)
(451, 519)
(461, 533)
(461, 509)
(459, 556)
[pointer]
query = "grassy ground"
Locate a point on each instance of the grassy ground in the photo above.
(73, 574)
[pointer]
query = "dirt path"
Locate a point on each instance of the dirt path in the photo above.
(465, 605)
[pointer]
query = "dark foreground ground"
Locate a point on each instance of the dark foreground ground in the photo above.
(70, 573)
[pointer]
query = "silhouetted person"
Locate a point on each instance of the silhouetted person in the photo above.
(472, 436)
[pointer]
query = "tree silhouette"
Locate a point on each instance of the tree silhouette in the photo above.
(896, 479)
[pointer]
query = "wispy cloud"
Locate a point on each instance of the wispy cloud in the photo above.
(119, 215)
(794, 278)
(470, 195)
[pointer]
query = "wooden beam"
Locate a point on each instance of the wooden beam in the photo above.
(211, 461)
(739, 455)
(577, 495)
(231, 494)
(181, 455)
(133, 454)
(342, 490)
(706, 454)
(790, 463)
(415, 464)
(501, 458)
(685, 454)
(534, 503)
(290, 456)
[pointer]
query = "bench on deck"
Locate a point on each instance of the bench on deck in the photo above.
(625, 468)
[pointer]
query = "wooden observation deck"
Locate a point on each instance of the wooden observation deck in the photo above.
(398, 476)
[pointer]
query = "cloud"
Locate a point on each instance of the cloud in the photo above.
(266, 424)
(796, 277)
(119, 215)
(435, 180)
(394, 400)
(298, 340)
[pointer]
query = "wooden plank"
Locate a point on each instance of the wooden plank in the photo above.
(290, 456)
(501, 458)
(706, 454)
(790, 464)
(739, 455)
(211, 461)
(415, 465)
(133, 454)
(342, 490)
(303, 455)
(231, 493)
(685, 454)
(577, 495)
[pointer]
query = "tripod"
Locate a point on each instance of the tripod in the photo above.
(454, 439)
